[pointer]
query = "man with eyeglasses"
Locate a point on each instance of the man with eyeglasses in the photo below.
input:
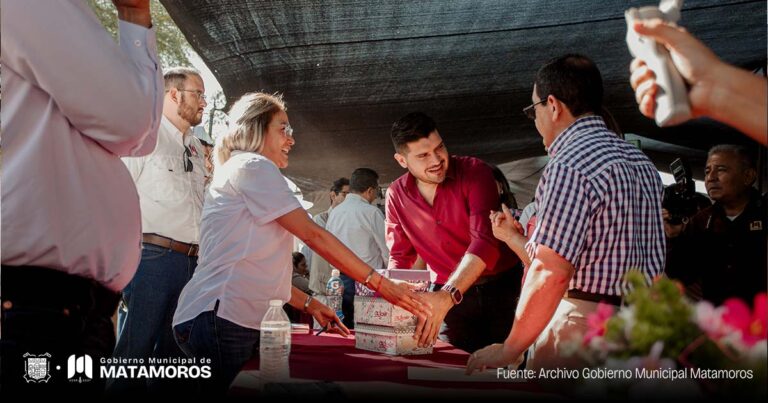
(599, 215)
(170, 182)
(74, 102)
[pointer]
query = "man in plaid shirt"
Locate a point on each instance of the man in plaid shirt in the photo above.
(599, 215)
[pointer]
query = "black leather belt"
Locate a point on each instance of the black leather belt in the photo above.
(588, 296)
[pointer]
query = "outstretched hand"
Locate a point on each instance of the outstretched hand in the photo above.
(327, 318)
(402, 295)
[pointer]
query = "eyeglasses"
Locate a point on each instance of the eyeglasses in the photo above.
(187, 161)
(530, 110)
(288, 130)
(200, 95)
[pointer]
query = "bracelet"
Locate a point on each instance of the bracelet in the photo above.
(368, 279)
(306, 303)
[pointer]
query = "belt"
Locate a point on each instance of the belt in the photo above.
(188, 249)
(587, 296)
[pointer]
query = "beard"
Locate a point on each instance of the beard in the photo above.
(188, 112)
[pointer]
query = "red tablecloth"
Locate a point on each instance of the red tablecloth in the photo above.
(331, 357)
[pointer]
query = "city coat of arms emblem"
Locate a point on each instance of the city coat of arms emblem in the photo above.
(37, 367)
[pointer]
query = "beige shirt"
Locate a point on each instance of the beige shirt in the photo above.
(171, 199)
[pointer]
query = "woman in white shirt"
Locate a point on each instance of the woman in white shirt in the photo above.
(248, 220)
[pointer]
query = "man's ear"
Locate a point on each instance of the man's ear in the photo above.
(174, 93)
(556, 105)
(401, 160)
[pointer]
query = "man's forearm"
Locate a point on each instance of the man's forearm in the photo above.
(741, 101)
(467, 272)
(542, 292)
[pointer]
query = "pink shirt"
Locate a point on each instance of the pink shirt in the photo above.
(73, 103)
(457, 223)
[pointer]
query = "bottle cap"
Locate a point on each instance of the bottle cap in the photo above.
(335, 273)
(275, 302)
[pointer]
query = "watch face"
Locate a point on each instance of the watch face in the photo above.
(454, 293)
(456, 296)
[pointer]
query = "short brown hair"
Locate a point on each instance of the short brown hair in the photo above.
(175, 77)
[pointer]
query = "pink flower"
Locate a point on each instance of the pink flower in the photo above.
(710, 319)
(751, 324)
(597, 321)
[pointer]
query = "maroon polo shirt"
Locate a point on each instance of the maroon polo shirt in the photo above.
(457, 223)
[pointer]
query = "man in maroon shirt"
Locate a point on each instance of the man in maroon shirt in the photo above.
(439, 211)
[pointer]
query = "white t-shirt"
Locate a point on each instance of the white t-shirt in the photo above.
(245, 255)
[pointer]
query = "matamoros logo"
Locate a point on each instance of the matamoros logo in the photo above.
(155, 368)
(80, 369)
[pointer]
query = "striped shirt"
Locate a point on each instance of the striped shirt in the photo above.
(599, 207)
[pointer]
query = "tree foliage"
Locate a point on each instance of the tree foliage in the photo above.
(172, 47)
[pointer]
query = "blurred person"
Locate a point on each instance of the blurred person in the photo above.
(300, 277)
(319, 269)
(73, 103)
(359, 225)
(506, 196)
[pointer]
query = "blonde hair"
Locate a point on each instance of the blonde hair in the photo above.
(249, 118)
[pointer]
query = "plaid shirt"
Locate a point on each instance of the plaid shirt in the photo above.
(599, 207)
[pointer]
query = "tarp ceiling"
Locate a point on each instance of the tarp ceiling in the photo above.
(348, 69)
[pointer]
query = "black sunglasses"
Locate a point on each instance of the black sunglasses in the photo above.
(530, 110)
(187, 161)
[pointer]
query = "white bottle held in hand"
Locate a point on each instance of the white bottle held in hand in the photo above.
(275, 344)
(334, 290)
(672, 105)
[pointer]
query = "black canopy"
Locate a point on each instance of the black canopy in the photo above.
(348, 69)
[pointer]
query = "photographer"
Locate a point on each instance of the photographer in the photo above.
(680, 202)
(723, 247)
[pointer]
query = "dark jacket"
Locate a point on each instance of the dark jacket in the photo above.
(727, 258)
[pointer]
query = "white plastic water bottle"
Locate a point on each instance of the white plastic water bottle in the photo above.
(334, 290)
(275, 344)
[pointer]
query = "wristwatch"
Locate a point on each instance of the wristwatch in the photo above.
(454, 292)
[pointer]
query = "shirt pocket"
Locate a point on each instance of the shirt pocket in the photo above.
(167, 178)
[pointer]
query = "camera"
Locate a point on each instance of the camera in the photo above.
(680, 198)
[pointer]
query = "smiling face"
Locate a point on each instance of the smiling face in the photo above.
(426, 159)
(277, 144)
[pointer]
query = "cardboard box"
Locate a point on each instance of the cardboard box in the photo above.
(388, 340)
(378, 311)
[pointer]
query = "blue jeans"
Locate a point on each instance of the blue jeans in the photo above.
(348, 301)
(485, 315)
(228, 345)
(151, 298)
